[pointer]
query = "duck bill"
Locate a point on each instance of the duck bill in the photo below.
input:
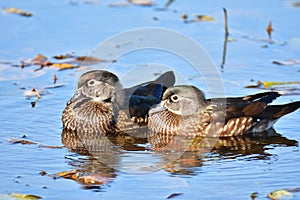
(157, 108)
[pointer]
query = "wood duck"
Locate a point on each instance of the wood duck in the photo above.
(102, 104)
(185, 110)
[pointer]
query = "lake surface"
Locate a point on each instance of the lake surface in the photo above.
(60, 27)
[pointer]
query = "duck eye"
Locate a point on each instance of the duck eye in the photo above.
(91, 82)
(174, 98)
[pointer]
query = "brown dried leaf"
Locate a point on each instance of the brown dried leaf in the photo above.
(18, 12)
(62, 66)
(66, 56)
(43, 173)
(54, 79)
(40, 59)
(259, 83)
(22, 141)
(269, 30)
(95, 179)
(69, 174)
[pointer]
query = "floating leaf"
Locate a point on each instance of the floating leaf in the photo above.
(90, 59)
(22, 141)
(184, 17)
(205, 18)
(65, 56)
(18, 12)
(269, 30)
(259, 83)
(43, 173)
(39, 59)
(198, 18)
(54, 79)
(287, 62)
(32, 93)
(271, 83)
(141, 2)
(68, 174)
(19, 196)
(62, 66)
(277, 194)
(95, 179)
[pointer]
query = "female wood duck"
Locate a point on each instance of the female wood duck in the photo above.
(184, 110)
(101, 103)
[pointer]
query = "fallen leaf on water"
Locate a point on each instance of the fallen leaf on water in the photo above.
(184, 17)
(62, 66)
(287, 62)
(96, 179)
(90, 59)
(18, 12)
(39, 59)
(174, 195)
(205, 18)
(68, 174)
(142, 2)
(269, 30)
(253, 195)
(277, 194)
(22, 141)
(54, 79)
(32, 93)
(271, 83)
(43, 173)
(19, 196)
(198, 18)
(65, 56)
(259, 83)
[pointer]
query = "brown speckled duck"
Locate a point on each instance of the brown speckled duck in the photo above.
(185, 110)
(101, 103)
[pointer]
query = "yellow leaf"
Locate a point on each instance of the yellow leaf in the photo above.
(18, 12)
(270, 83)
(205, 18)
(277, 194)
(19, 196)
(63, 65)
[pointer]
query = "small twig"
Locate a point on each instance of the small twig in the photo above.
(226, 38)
(226, 22)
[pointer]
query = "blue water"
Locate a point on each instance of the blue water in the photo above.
(57, 27)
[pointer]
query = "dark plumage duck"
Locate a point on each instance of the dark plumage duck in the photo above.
(101, 103)
(185, 110)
